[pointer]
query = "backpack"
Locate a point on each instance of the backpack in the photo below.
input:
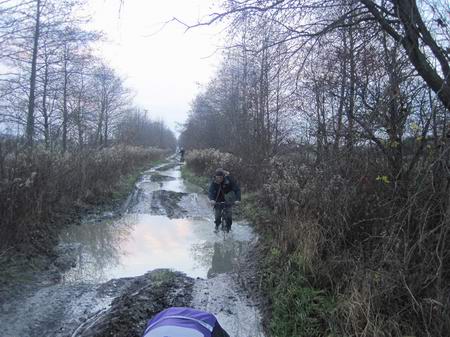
(184, 322)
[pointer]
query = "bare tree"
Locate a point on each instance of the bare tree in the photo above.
(111, 98)
(31, 99)
(423, 40)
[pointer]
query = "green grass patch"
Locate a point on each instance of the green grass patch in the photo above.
(189, 176)
(126, 183)
(252, 208)
(297, 308)
(163, 276)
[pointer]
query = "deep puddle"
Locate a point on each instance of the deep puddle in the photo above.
(139, 242)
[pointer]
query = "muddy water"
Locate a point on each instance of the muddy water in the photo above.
(145, 238)
(167, 224)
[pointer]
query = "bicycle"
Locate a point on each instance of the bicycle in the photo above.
(223, 224)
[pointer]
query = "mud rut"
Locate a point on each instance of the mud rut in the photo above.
(49, 305)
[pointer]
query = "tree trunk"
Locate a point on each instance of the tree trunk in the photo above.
(351, 106)
(414, 28)
(342, 93)
(80, 115)
(105, 141)
(31, 98)
(44, 107)
(65, 112)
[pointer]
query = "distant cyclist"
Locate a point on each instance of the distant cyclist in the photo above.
(184, 322)
(223, 192)
(182, 154)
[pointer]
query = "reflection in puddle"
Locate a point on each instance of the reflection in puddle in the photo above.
(139, 242)
(223, 257)
(178, 184)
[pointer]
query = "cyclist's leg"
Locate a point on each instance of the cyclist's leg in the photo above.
(217, 216)
(224, 224)
(228, 215)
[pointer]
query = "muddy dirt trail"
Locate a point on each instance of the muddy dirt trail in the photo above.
(114, 272)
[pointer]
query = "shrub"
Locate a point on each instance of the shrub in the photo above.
(351, 250)
(42, 188)
(205, 162)
(365, 239)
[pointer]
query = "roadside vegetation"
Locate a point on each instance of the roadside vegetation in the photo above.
(296, 308)
(42, 192)
(319, 273)
(201, 181)
(326, 114)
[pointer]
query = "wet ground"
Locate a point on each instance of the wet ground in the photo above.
(101, 285)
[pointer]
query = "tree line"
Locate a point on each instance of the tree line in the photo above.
(330, 75)
(53, 90)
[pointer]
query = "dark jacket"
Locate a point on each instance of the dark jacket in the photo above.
(217, 191)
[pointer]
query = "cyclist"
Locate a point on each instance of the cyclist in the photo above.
(184, 322)
(223, 192)
(182, 154)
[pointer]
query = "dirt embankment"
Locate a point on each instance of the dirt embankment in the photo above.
(144, 297)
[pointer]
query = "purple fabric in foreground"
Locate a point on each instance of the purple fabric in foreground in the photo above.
(182, 322)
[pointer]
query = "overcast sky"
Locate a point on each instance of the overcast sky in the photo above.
(163, 68)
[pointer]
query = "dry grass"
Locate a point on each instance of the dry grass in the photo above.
(386, 255)
(205, 162)
(380, 248)
(39, 192)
